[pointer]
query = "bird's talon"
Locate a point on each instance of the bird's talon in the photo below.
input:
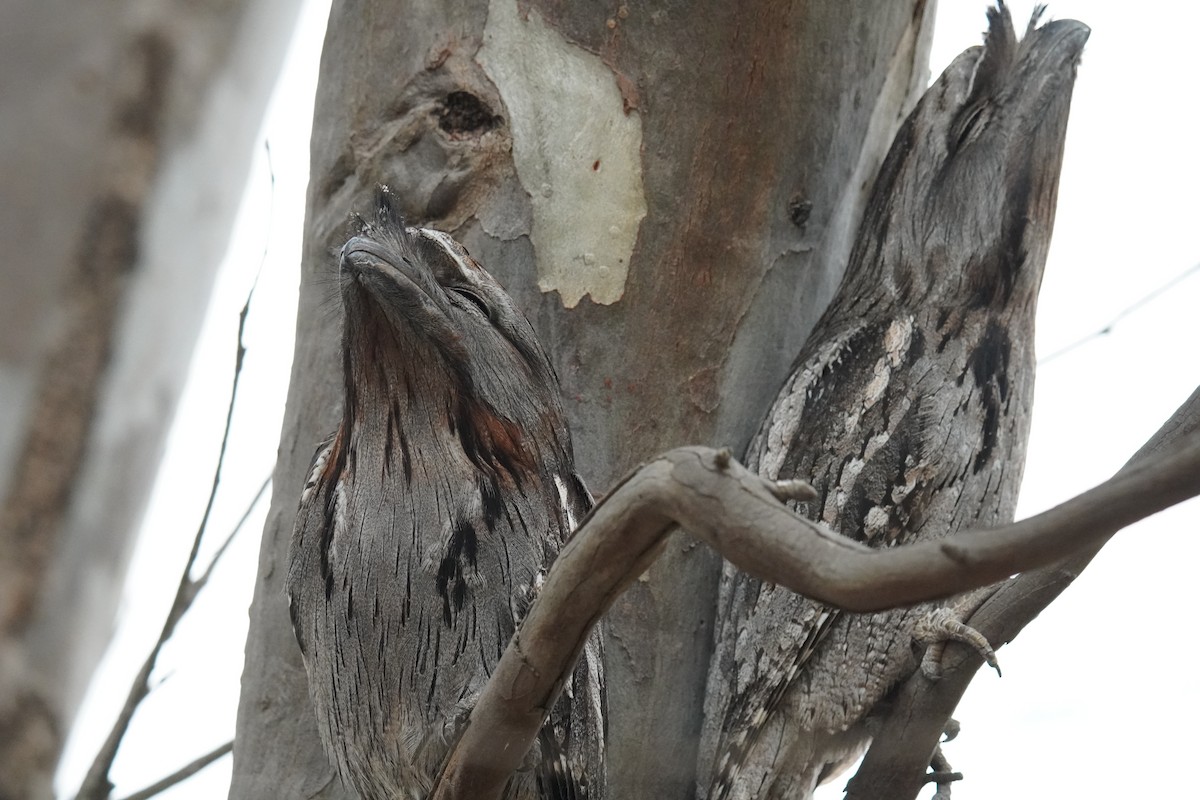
(942, 625)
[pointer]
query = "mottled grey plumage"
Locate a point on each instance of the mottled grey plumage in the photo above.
(907, 409)
(428, 518)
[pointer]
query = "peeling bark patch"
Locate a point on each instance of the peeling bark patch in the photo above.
(703, 390)
(567, 114)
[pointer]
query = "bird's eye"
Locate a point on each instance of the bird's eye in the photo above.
(966, 128)
(472, 297)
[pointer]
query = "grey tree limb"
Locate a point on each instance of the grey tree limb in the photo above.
(895, 764)
(740, 515)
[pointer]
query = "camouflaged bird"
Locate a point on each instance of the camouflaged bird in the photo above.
(907, 409)
(428, 519)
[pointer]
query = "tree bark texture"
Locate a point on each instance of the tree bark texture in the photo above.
(670, 195)
(127, 132)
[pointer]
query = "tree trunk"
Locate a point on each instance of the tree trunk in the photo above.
(128, 130)
(670, 195)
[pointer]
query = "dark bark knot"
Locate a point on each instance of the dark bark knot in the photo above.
(464, 115)
(799, 210)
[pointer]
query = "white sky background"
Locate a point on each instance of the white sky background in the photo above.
(1097, 696)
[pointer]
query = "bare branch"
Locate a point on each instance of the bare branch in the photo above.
(736, 512)
(202, 579)
(1140, 303)
(96, 785)
(895, 764)
(183, 773)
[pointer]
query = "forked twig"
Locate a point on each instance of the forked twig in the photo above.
(183, 773)
(96, 784)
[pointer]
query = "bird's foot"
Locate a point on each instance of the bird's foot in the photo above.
(943, 625)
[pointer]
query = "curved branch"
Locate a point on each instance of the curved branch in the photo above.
(739, 514)
(895, 765)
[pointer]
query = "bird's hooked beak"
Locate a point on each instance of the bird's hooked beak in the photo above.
(358, 249)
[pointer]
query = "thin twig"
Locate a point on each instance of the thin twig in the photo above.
(1107, 328)
(183, 773)
(96, 784)
(202, 579)
(262, 259)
